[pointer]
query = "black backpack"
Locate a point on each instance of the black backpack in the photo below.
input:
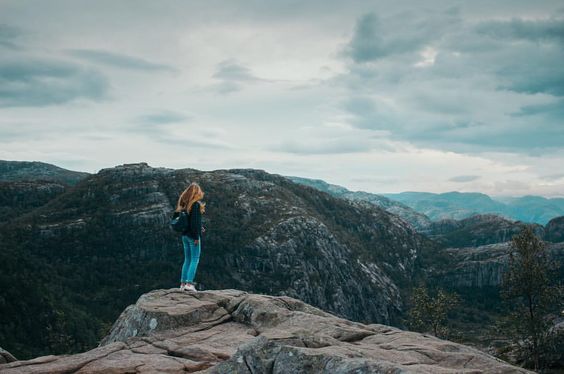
(179, 223)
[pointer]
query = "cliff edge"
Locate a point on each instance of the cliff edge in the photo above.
(230, 331)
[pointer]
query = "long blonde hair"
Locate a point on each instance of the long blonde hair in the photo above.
(189, 196)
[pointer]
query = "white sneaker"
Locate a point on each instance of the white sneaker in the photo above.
(190, 287)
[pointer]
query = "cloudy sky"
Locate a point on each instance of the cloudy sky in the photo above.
(383, 96)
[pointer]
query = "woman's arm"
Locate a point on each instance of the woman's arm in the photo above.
(196, 221)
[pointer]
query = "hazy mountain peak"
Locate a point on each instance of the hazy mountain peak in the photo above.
(35, 170)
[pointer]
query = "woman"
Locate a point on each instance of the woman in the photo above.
(189, 201)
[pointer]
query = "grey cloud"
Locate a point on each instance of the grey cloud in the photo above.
(40, 82)
(328, 146)
(461, 132)
(162, 117)
(375, 38)
(118, 60)
(522, 138)
(516, 28)
(361, 106)
(464, 178)
(551, 112)
(227, 87)
(538, 82)
(229, 70)
(233, 77)
(533, 70)
(521, 55)
(192, 141)
(368, 114)
(19, 132)
(366, 44)
(9, 36)
(160, 127)
(553, 177)
(527, 68)
(468, 99)
(369, 41)
(437, 102)
(156, 125)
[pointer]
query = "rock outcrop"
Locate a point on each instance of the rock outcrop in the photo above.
(478, 230)
(477, 267)
(229, 331)
(21, 197)
(554, 230)
(6, 356)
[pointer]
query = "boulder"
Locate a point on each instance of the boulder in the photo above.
(230, 331)
(6, 356)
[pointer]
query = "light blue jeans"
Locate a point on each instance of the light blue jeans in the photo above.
(191, 259)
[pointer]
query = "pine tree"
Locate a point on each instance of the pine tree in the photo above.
(529, 287)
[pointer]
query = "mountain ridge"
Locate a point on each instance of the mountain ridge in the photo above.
(414, 207)
(11, 171)
(460, 205)
(351, 258)
(418, 220)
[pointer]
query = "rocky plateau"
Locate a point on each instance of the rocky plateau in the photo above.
(231, 331)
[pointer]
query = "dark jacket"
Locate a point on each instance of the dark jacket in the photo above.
(194, 222)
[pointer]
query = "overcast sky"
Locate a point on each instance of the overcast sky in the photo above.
(383, 96)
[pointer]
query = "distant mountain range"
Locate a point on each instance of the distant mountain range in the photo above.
(422, 208)
(459, 205)
(457, 228)
(418, 220)
(13, 171)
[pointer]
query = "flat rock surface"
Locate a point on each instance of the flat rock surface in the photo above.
(229, 331)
